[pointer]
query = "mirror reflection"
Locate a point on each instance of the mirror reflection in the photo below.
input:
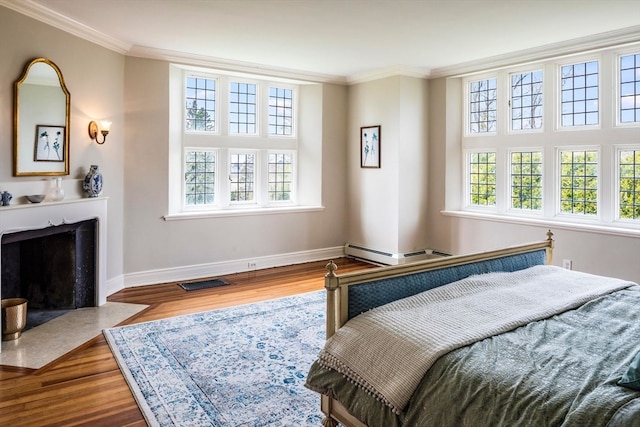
(41, 121)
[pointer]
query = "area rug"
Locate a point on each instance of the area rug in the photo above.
(239, 366)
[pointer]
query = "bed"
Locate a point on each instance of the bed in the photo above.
(499, 338)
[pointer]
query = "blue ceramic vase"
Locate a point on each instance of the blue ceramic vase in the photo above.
(92, 184)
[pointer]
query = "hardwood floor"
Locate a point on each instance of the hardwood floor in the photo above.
(85, 386)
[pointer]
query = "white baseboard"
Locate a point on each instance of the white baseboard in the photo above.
(176, 274)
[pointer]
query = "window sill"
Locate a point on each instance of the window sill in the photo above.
(630, 230)
(221, 213)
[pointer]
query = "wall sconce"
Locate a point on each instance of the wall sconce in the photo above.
(105, 125)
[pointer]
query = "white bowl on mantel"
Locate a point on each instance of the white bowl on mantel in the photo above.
(35, 198)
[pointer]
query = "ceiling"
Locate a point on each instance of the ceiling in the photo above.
(341, 38)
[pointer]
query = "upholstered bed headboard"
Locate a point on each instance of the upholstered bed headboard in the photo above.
(365, 296)
(353, 293)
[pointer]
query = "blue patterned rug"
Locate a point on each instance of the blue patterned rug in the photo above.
(239, 366)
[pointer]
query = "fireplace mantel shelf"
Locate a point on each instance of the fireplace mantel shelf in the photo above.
(49, 203)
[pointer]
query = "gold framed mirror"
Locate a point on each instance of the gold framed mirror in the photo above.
(41, 121)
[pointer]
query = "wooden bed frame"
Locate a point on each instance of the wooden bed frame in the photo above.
(338, 296)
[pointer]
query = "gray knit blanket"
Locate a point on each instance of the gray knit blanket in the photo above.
(388, 350)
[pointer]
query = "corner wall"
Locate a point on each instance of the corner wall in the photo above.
(387, 206)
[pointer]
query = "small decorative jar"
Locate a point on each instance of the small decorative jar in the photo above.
(56, 192)
(92, 184)
(5, 198)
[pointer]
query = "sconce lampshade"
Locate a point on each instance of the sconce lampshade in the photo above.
(105, 127)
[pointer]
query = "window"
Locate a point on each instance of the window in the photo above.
(629, 88)
(200, 104)
(579, 182)
(280, 176)
(482, 106)
(629, 183)
(583, 172)
(526, 100)
(242, 177)
(242, 108)
(200, 177)
(579, 94)
(526, 180)
(280, 111)
(245, 134)
(482, 178)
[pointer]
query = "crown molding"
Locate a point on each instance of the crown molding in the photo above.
(599, 41)
(61, 22)
(232, 65)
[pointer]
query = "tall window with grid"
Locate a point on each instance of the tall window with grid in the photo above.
(280, 177)
(482, 106)
(242, 108)
(200, 104)
(280, 111)
(482, 178)
(579, 182)
(526, 180)
(629, 183)
(579, 94)
(200, 178)
(242, 177)
(526, 100)
(630, 88)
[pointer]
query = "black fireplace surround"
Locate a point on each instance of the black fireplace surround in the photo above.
(54, 268)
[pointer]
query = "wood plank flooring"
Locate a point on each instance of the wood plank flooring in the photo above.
(85, 386)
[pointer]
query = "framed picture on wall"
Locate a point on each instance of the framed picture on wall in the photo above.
(49, 146)
(370, 146)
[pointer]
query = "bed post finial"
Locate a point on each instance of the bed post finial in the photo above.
(331, 269)
(549, 250)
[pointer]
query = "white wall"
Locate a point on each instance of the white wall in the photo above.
(153, 244)
(387, 206)
(94, 77)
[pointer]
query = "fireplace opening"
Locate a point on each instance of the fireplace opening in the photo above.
(54, 268)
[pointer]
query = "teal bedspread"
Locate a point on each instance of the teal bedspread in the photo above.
(561, 371)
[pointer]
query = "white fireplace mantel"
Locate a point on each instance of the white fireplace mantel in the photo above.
(23, 217)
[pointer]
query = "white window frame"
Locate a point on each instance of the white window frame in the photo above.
(259, 109)
(467, 104)
(509, 182)
(510, 101)
(223, 143)
(467, 180)
(625, 52)
(183, 195)
(257, 182)
(558, 93)
(217, 124)
(617, 148)
(294, 159)
(294, 112)
(602, 138)
(558, 190)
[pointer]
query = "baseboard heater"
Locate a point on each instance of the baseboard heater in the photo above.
(386, 258)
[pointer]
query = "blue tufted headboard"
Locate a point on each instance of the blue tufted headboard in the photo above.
(365, 296)
(353, 293)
